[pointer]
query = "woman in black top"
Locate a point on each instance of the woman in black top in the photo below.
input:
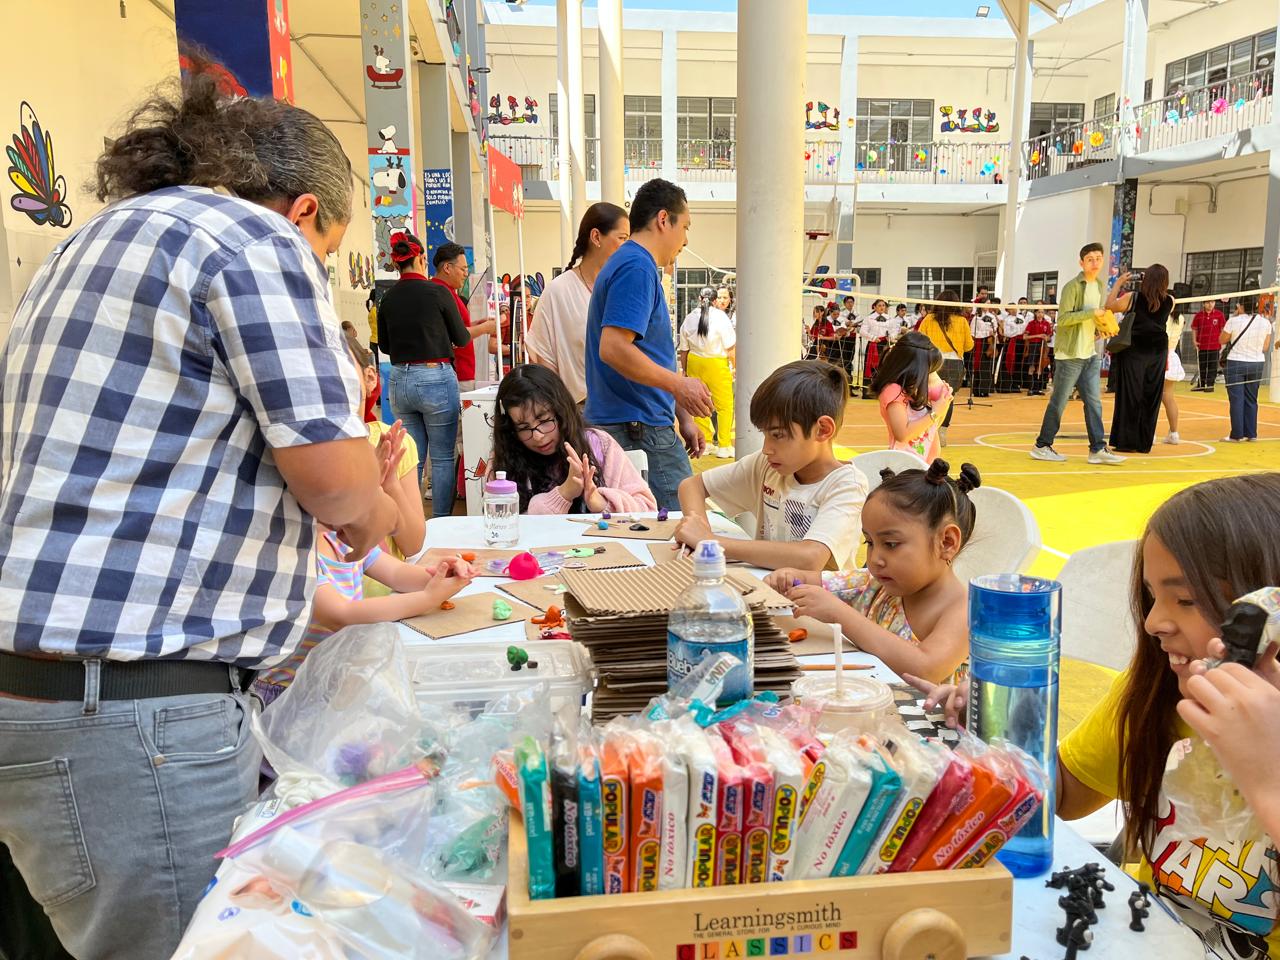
(418, 328)
(1138, 372)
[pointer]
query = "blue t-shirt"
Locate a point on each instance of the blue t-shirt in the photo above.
(628, 294)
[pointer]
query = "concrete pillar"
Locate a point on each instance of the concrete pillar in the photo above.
(568, 226)
(435, 148)
(609, 110)
(847, 166)
(1133, 72)
(1006, 283)
(670, 80)
(464, 231)
(1271, 260)
(577, 119)
(770, 220)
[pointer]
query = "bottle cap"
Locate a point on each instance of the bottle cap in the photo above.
(708, 560)
(1015, 607)
(500, 484)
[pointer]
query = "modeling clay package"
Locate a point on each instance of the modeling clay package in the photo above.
(837, 790)
(673, 853)
(953, 792)
(729, 799)
(644, 764)
(993, 776)
(757, 794)
(535, 797)
(564, 814)
(1028, 795)
(921, 764)
(615, 790)
(789, 779)
(704, 788)
(886, 787)
(590, 818)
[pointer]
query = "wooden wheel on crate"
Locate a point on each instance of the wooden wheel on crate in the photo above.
(924, 934)
(614, 946)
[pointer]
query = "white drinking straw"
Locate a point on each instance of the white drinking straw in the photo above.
(838, 636)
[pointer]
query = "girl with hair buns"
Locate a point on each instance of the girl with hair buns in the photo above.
(558, 337)
(907, 607)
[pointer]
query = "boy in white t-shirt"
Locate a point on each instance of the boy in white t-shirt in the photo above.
(807, 504)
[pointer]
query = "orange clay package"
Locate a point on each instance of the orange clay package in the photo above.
(1028, 795)
(615, 790)
(757, 811)
(994, 775)
(953, 792)
(673, 851)
(789, 779)
(921, 764)
(644, 763)
(704, 787)
(729, 802)
(836, 792)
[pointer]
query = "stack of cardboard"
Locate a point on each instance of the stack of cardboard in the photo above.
(621, 617)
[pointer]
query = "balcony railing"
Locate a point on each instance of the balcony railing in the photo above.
(1185, 116)
(1070, 148)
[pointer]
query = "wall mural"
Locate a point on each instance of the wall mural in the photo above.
(42, 193)
(821, 122)
(534, 282)
(980, 122)
(360, 271)
(513, 114)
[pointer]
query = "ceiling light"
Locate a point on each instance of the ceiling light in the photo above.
(982, 11)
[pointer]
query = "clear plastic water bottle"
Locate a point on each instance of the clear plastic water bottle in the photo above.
(710, 618)
(1015, 627)
(501, 512)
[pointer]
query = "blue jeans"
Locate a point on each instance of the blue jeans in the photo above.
(113, 810)
(668, 462)
(426, 399)
(1066, 375)
(1243, 377)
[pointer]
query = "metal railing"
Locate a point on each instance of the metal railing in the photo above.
(952, 161)
(1069, 148)
(1211, 110)
(539, 157)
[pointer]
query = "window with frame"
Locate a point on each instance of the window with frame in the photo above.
(589, 125)
(705, 130)
(984, 277)
(868, 278)
(1104, 107)
(1222, 271)
(1042, 286)
(1049, 118)
(925, 283)
(894, 121)
(642, 130)
(1225, 62)
(1146, 90)
(689, 283)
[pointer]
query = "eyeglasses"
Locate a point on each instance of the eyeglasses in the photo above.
(542, 426)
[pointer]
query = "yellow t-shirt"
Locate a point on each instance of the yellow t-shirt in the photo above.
(373, 325)
(1220, 889)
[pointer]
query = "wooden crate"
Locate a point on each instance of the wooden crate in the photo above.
(938, 915)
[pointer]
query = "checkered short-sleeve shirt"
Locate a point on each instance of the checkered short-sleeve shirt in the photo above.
(157, 357)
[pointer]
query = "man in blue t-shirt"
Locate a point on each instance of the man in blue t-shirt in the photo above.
(633, 390)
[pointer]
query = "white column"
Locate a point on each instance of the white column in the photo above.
(1133, 72)
(670, 75)
(577, 119)
(568, 228)
(770, 218)
(609, 108)
(847, 166)
(1006, 283)
(1271, 260)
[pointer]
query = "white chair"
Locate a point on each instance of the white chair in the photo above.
(1097, 615)
(1006, 537)
(640, 460)
(896, 460)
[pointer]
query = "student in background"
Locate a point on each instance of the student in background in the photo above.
(1250, 337)
(1012, 327)
(985, 336)
(1207, 325)
(806, 503)
(913, 398)
(1036, 341)
(948, 328)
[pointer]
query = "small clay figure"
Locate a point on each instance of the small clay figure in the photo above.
(501, 610)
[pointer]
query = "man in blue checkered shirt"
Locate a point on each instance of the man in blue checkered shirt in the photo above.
(176, 406)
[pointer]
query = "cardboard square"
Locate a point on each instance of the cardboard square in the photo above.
(663, 552)
(819, 639)
(621, 529)
(535, 592)
(474, 612)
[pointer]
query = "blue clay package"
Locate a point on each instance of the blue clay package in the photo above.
(535, 797)
(590, 823)
(886, 788)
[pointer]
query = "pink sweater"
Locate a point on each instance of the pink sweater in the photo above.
(618, 481)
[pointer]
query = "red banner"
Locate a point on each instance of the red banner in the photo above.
(506, 185)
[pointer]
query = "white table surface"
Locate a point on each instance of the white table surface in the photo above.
(1036, 915)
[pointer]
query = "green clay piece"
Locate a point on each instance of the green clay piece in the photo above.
(517, 656)
(501, 610)
(582, 552)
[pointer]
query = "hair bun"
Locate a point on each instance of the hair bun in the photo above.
(887, 474)
(970, 478)
(938, 471)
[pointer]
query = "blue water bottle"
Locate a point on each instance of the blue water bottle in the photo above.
(1015, 628)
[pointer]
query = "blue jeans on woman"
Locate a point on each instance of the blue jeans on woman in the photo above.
(427, 401)
(1243, 377)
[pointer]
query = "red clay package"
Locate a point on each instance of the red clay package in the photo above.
(729, 803)
(993, 777)
(954, 791)
(757, 813)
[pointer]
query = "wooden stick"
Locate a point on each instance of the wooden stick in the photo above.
(832, 666)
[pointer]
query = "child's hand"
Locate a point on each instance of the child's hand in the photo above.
(817, 602)
(784, 578)
(591, 496)
(692, 530)
(390, 450)
(1266, 667)
(954, 698)
(442, 585)
(453, 566)
(1237, 712)
(572, 487)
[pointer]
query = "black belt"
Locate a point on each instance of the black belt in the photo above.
(63, 679)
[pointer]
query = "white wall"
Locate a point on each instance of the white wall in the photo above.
(1238, 222)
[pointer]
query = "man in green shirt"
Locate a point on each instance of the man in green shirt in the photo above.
(1076, 361)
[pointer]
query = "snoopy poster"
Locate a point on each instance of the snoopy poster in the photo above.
(384, 34)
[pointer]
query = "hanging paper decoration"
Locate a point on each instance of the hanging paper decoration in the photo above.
(942, 172)
(1220, 105)
(862, 166)
(1240, 104)
(871, 156)
(1077, 147)
(1171, 116)
(988, 169)
(1096, 139)
(1035, 157)
(921, 156)
(808, 155)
